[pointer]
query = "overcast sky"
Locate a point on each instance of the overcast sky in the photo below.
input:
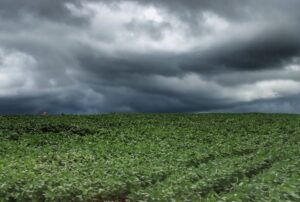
(96, 56)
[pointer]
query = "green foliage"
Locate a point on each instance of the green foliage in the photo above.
(150, 157)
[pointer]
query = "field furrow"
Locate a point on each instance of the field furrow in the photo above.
(150, 157)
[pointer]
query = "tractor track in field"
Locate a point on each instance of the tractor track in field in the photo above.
(221, 186)
(204, 160)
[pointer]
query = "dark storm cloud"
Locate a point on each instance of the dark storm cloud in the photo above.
(129, 64)
(91, 56)
(54, 9)
(268, 51)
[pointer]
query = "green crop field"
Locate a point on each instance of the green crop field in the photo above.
(150, 157)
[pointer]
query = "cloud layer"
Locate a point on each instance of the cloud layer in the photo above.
(88, 56)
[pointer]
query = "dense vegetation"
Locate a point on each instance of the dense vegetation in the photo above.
(154, 157)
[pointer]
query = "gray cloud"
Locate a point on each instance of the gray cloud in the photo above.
(77, 56)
